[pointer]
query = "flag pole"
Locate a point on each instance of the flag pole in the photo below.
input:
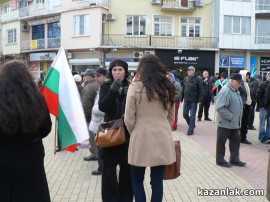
(55, 134)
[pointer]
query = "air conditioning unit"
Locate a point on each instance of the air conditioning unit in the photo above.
(69, 55)
(149, 52)
(25, 28)
(110, 16)
(199, 3)
(137, 54)
(155, 1)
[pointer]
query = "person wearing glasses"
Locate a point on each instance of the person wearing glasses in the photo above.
(192, 94)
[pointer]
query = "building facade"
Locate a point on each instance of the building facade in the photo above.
(33, 30)
(243, 32)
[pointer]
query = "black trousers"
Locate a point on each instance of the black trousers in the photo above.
(204, 106)
(222, 135)
(244, 123)
(114, 190)
(251, 114)
(100, 161)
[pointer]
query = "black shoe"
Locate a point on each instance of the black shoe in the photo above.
(190, 132)
(199, 119)
(265, 141)
(174, 129)
(251, 128)
(225, 164)
(207, 119)
(245, 142)
(238, 163)
(90, 158)
(96, 172)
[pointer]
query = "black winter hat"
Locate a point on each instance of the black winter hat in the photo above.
(118, 63)
(236, 77)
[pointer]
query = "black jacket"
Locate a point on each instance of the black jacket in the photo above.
(192, 89)
(22, 173)
(260, 94)
(109, 102)
(267, 97)
(206, 87)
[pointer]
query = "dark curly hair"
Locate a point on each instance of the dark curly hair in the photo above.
(22, 107)
(152, 74)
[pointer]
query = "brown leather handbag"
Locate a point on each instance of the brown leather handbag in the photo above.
(111, 134)
(173, 171)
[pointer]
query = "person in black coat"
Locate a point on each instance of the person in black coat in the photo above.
(112, 100)
(24, 121)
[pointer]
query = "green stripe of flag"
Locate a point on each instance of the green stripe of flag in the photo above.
(52, 80)
(65, 133)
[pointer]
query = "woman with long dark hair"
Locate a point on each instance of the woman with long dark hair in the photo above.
(24, 121)
(148, 117)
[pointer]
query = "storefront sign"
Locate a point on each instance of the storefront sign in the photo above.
(253, 66)
(186, 58)
(265, 64)
(42, 56)
(232, 61)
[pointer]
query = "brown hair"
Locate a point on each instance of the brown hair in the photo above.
(153, 76)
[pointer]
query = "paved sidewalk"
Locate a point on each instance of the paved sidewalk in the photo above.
(70, 178)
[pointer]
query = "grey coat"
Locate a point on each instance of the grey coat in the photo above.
(229, 108)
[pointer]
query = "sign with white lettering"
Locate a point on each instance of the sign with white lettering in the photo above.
(186, 58)
(265, 64)
(232, 61)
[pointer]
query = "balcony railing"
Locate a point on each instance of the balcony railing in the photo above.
(187, 5)
(262, 39)
(40, 44)
(158, 41)
(262, 5)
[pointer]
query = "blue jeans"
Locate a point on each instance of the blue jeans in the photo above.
(190, 108)
(137, 177)
(264, 131)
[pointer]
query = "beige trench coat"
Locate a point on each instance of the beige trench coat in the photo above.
(149, 124)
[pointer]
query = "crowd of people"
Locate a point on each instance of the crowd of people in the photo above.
(149, 106)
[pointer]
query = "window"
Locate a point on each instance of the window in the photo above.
(6, 8)
(262, 31)
(40, 4)
(11, 36)
(163, 25)
(54, 30)
(136, 25)
(38, 32)
(81, 25)
(262, 4)
(236, 25)
(191, 27)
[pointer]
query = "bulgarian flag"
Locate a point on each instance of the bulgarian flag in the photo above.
(63, 100)
(219, 83)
